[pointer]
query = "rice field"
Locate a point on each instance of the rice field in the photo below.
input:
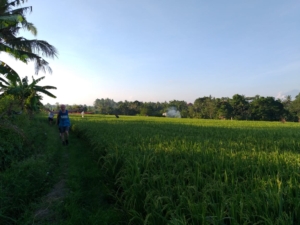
(190, 171)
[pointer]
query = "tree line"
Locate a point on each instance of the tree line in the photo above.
(238, 107)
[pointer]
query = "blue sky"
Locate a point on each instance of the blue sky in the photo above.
(169, 49)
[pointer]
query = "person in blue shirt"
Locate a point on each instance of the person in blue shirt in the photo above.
(64, 123)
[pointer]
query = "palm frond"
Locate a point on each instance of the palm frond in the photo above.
(29, 27)
(15, 18)
(17, 54)
(21, 11)
(39, 63)
(17, 2)
(47, 87)
(4, 81)
(46, 93)
(34, 82)
(33, 46)
(9, 32)
(9, 20)
(9, 73)
(7, 7)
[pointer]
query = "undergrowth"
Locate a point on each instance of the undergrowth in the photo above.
(29, 167)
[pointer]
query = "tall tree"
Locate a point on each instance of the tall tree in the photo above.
(147, 109)
(266, 108)
(11, 21)
(205, 107)
(287, 105)
(134, 107)
(123, 107)
(105, 106)
(240, 107)
(224, 108)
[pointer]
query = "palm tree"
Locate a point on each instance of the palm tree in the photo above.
(11, 21)
(33, 101)
(28, 95)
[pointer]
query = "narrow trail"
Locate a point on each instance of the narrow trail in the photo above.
(46, 213)
(79, 196)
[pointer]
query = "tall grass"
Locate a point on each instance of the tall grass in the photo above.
(184, 171)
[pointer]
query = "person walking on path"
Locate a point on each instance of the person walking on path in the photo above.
(64, 123)
(50, 117)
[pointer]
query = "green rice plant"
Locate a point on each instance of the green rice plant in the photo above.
(187, 171)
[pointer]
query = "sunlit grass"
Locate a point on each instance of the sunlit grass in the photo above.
(187, 171)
